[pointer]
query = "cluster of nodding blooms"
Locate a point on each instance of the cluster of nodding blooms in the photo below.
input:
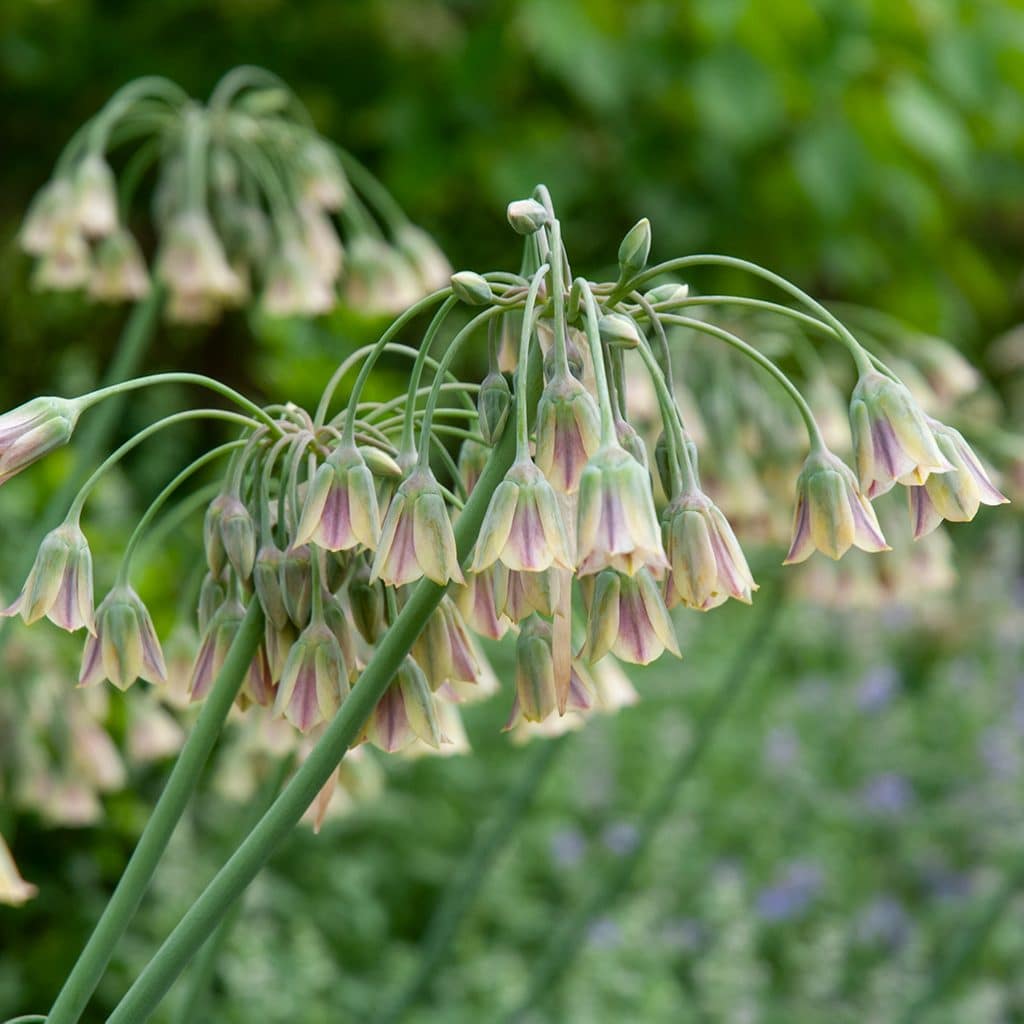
(329, 522)
(246, 198)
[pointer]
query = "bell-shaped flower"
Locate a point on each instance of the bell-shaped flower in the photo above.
(118, 270)
(217, 639)
(51, 215)
(519, 594)
(417, 538)
(341, 511)
(14, 890)
(627, 617)
(444, 650)
(536, 684)
(33, 430)
(956, 495)
(406, 712)
(618, 527)
(379, 278)
(59, 584)
(125, 646)
(192, 264)
(568, 431)
(707, 563)
(66, 266)
(892, 440)
(95, 197)
(295, 286)
(478, 601)
(315, 678)
(523, 527)
(831, 513)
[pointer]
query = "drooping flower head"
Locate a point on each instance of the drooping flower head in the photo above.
(568, 432)
(891, 436)
(59, 585)
(523, 528)
(707, 563)
(831, 513)
(125, 646)
(618, 527)
(956, 495)
(417, 538)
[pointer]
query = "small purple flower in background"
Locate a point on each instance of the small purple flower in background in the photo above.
(567, 847)
(604, 933)
(781, 748)
(877, 688)
(887, 795)
(944, 884)
(792, 894)
(620, 837)
(883, 922)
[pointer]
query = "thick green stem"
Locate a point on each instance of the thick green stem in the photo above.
(243, 866)
(491, 838)
(201, 976)
(89, 968)
(566, 940)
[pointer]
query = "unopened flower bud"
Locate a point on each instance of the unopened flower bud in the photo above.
(211, 597)
(238, 536)
(535, 697)
(59, 585)
(631, 441)
(125, 646)
(297, 583)
(471, 288)
(213, 539)
(831, 513)
(493, 403)
(527, 216)
(634, 249)
(892, 441)
(367, 602)
(381, 464)
(266, 577)
(619, 330)
(473, 458)
(33, 430)
(667, 294)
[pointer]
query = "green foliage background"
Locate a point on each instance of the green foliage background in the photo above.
(871, 151)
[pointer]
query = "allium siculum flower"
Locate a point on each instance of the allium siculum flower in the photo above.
(266, 578)
(956, 495)
(618, 527)
(831, 513)
(536, 686)
(50, 217)
(519, 594)
(95, 197)
(407, 711)
(14, 890)
(192, 264)
(628, 618)
(473, 458)
(478, 601)
(297, 583)
(444, 650)
(125, 646)
(59, 585)
(523, 527)
(707, 563)
(341, 504)
(257, 687)
(315, 678)
(33, 430)
(417, 538)
(119, 271)
(891, 436)
(380, 279)
(295, 286)
(568, 432)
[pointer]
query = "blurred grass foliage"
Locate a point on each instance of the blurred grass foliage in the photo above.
(864, 797)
